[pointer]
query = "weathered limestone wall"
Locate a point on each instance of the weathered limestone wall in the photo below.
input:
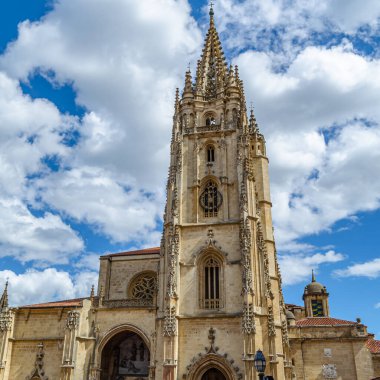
(116, 273)
(24, 355)
(352, 359)
(376, 365)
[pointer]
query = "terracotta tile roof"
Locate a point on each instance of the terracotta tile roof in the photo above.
(146, 251)
(374, 346)
(66, 303)
(323, 321)
(291, 305)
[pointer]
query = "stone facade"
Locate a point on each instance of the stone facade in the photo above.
(201, 305)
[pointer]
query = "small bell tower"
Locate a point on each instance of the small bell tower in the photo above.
(316, 299)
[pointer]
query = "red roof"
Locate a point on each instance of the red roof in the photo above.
(323, 321)
(66, 303)
(146, 251)
(374, 346)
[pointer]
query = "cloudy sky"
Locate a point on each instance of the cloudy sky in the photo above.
(86, 101)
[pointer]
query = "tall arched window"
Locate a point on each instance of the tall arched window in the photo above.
(210, 282)
(210, 154)
(210, 199)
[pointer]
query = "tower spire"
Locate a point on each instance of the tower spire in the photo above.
(312, 276)
(212, 68)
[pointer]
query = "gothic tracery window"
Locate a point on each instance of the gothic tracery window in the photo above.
(143, 287)
(210, 199)
(210, 154)
(210, 282)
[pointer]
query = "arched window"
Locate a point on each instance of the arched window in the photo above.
(210, 199)
(210, 282)
(210, 154)
(143, 286)
(210, 121)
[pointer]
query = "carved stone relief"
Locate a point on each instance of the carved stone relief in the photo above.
(72, 321)
(172, 261)
(271, 326)
(212, 354)
(5, 320)
(248, 321)
(329, 371)
(170, 321)
(38, 371)
(264, 254)
(245, 245)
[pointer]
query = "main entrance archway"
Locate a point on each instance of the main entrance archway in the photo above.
(213, 374)
(125, 356)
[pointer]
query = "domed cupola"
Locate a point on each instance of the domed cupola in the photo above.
(314, 287)
(315, 297)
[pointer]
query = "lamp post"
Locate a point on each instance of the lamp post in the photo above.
(260, 363)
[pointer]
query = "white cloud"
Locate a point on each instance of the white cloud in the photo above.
(377, 306)
(286, 26)
(317, 181)
(90, 195)
(45, 239)
(297, 268)
(89, 261)
(124, 59)
(31, 286)
(321, 88)
(30, 130)
(370, 269)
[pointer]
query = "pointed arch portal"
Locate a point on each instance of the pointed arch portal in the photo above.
(125, 354)
(213, 374)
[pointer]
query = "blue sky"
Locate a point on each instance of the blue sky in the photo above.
(85, 87)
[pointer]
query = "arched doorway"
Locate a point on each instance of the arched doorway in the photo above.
(124, 356)
(213, 374)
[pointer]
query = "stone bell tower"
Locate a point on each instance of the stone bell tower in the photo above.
(220, 285)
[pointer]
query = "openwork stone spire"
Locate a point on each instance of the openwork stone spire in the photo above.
(212, 67)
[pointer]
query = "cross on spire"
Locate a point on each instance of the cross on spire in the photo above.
(211, 8)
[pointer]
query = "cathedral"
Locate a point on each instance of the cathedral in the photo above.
(207, 304)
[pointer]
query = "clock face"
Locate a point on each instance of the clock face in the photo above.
(211, 199)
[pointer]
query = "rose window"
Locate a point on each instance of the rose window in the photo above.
(143, 287)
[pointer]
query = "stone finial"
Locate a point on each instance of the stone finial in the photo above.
(176, 103)
(312, 276)
(211, 12)
(188, 81)
(92, 294)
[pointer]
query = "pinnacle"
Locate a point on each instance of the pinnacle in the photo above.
(4, 298)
